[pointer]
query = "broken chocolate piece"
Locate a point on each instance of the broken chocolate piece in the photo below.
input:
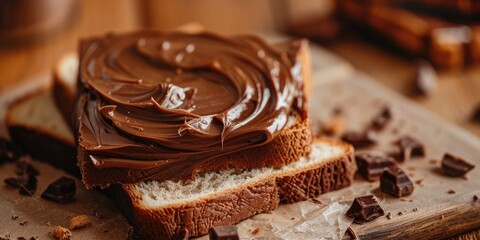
(182, 234)
(455, 166)
(360, 139)
(372, 164)
(13, 182)
(25, 167)
(61, 191)
(382, 119)
(365, 209)
(395, 182)
(224, 233)
(26, 183)
(29, 187)
(409, 147)
(425, 79)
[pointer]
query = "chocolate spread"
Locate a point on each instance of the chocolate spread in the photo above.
(169, 101)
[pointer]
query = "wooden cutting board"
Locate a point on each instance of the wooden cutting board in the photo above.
(336, 84)
(430, 212)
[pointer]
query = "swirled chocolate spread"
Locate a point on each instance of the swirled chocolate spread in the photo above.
(169, 101)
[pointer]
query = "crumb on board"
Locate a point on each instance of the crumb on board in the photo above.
(62, 233)
(452, 191)
(79, 221)
(420, 181)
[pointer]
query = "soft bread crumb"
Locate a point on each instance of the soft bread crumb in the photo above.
(62, 233)
(79, 221)
(159, 194)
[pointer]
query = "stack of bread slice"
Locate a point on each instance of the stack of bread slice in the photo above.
(41, 122)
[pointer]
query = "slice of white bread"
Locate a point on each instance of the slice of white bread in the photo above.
(158, 210)
(34, 116)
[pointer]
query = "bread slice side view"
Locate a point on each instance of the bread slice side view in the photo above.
(158, 210)
(288, 146)
(65, 85)
(34, 116)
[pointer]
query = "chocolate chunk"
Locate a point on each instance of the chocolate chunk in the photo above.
(425, 79)
(455, 166)
(223, 233)
(9, 151)
(62, 191)
(409, 147)
(13, 182)
(451, 191)
(182, 234)
(24, 166)
(372, 164)
(382, 119)
(365, 209)
(395, 182)
(360, 139)
(476, 114)
(475, 198)
(29, 187)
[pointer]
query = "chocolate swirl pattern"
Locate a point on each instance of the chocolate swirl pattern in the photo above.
(167, 102)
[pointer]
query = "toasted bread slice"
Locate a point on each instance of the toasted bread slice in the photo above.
(32, 118)
(159, 209)
(287, 147)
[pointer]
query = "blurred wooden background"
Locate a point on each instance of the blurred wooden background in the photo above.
(457, 93)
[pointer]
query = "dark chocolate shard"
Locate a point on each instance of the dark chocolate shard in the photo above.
(360, 139)
(372, 164)
(382, 119)
(455, 166)
(364, 209)
(13, 182)
(25, 167)
(395, 182)
(29, 187)
(182, 234)
(425, 80)
(409, 147)
(62, 190)
(224, 233)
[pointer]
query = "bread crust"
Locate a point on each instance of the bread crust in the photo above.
(230, 207)
(287, 147)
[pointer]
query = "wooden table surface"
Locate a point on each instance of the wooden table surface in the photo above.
(457, 93)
